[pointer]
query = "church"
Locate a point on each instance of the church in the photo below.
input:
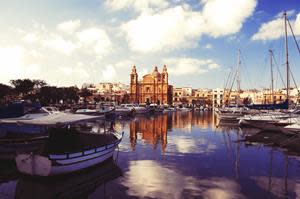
(153, 88)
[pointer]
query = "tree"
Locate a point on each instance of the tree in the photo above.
(70, 94)
(23, 86)
(4, 92)
(85, 93)
(38, 84)
(247, 101)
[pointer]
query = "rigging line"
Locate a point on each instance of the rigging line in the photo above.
(277, 67)
(246, 73)
(228, 78)
(295, 84)
(293, 35)
(228, 99)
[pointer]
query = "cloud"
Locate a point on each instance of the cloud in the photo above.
(74, 71)
(289, 13)
(274, 29)
(92, 40)
(223, 18)
(30, 38)
(43, 48)
(181, 27)
(137, 5)
(126, 64)
(13, 65)
(58, 43)
(208, 46)
(168, 30)
(70, 76)
(109, 73)
(188, 66)
(69, 26)
(163, 181)
(11, 62)
(297, 25)
(187, 145)
(212, 65)
(97, 39)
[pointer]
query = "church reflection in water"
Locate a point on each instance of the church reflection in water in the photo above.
(154, 130)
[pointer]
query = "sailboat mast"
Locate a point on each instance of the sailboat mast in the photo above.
(238, 80)
(272, 78)
(287, 59)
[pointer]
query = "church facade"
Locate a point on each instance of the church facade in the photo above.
(153, 88)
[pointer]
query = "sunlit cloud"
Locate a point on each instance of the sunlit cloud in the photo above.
(137, 5)
(181, 26)
(59, 44)
(187, 66)
(69, 26)
(187, 145)
(147, 178)
(13, 64)
(208, 46)
(223, 18)
(274, 29)
(97, 39)
(109, 73)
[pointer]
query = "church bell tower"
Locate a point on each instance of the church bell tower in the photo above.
(134, 85)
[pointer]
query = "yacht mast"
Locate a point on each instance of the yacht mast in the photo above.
(238, 80)
(272, 78)
(287, 59)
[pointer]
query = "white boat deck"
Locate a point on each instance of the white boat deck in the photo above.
(58, 119)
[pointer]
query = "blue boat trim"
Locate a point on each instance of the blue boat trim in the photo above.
(82, 154)
(68, 164)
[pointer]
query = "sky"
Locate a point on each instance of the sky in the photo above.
(72, 42)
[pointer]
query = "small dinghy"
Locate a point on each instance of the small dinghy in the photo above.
(68, 150)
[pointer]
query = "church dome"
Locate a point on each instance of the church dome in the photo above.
(155, 72)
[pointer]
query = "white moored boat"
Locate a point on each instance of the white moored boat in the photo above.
(39, 125)
(140, 109)
(123, 111)
(100, 111)
(82, 151)
(184, 109)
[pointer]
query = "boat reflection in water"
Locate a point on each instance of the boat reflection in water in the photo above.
(201, 159)
(178, 155)
(77, 185)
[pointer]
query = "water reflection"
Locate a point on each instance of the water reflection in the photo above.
(148, 178)
(186, 120)
(152, 130)
(77, 185)
(180, 155)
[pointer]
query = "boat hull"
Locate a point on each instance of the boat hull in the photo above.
(57, 164)
(123, 113)
(141, 111)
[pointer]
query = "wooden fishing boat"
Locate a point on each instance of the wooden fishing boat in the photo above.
(68, 150)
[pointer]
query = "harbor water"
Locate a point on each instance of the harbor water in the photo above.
(172, 155)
